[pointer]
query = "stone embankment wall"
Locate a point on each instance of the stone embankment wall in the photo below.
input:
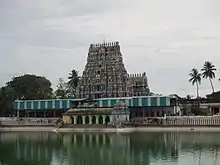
(178, 121)
(7, 121)
(193, 120)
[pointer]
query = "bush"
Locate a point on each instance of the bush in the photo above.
(200, 111)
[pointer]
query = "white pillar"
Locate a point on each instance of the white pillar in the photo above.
(110, 116)
(83, 119)
(97, 119)
(90, 119)
(103, 119)
(74, 117)
(18, 114)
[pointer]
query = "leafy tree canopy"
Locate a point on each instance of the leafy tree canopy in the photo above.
(208, 70)
(73, 79)
(63, 90)
(195, 76)
(25, 87)
(200, 111)
(73, 82)
(7, 95)
(214, 97)
(30, 87)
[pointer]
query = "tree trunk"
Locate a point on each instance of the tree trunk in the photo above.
(212, 85)
(197, 92)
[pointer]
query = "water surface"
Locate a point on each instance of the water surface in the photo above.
(110, 149)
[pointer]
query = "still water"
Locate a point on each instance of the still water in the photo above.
(110, 149)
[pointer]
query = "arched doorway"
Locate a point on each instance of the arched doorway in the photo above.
(93, 119)
(79, 120)
(107, 119)
(100, 120)
(87, 120)
(71, 119)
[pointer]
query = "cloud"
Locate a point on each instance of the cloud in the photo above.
(166, 39)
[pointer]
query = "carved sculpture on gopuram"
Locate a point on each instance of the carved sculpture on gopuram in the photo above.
(106, 76)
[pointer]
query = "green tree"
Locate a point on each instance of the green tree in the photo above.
(208, 72)
(214, 97)
(7, 96)
(188, 98)
(62, 91)
(195, 78)
(186, 110)
(200, 111)
(73, 81)
(30, 87)
(25, 87)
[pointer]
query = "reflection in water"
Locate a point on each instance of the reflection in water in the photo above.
(109, 149)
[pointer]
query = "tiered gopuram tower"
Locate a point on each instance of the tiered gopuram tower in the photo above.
(106, 76)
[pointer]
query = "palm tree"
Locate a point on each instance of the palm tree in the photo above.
(188, 97)
(73, 80)
(208, 72)
(195, 78)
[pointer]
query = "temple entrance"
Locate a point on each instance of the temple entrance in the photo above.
(107, 119)
(79, 120)
(87, 120)
(71, 119)
(100, 120)
(93, 119)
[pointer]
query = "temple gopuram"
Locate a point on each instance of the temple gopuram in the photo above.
(105, 75)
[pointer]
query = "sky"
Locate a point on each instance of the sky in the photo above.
(165, 39)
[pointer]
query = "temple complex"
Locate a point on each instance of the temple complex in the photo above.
(105, 75)
(105, 83)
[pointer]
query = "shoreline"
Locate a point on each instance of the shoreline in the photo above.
(113, 130)
(26, 129)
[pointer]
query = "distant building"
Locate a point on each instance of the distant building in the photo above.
(138, 106)
(105, 75)
(97, 115)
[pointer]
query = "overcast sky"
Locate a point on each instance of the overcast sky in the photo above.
(164, 38)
